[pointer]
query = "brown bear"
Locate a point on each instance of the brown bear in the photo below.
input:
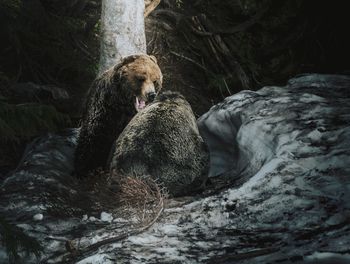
(162, 141)
(112, 100)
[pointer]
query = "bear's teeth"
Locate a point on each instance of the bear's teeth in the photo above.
(142, 104)
(139, 104)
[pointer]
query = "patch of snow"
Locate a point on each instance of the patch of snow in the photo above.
(144, 239)
(92, 219)
(246, 188)
(217, 219)
(25, 226)
(169, 230)
(328, 257)
(120, 220)
(97, 259)
(173, 210)
(106, 217)
(315, 135)
(38, 217)
(311, 98)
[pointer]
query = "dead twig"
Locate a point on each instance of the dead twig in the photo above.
(144, 195)
(172, 15)
(245, 25)
(97, 245)
(190, 60)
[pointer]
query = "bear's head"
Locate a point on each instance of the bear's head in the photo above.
(142, 78)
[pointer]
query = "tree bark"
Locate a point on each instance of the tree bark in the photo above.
(122, 31)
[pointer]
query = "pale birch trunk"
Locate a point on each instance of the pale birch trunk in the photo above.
(122, 31)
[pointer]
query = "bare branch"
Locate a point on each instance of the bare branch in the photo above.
(150, 5)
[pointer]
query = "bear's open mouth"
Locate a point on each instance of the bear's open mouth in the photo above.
(140, 104)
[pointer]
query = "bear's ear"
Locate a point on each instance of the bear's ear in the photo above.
(154, 59)
(124, 62)
(123, 70)
(128, 59)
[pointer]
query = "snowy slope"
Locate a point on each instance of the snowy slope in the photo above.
(285, 152)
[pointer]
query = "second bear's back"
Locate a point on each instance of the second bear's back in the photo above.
(163, 142)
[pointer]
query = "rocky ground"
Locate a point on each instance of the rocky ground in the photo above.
(279, 193)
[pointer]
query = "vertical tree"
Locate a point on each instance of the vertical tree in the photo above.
(122, 31)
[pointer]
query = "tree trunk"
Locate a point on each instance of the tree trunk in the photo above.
(122, 31)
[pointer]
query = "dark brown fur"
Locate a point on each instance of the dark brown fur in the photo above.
(162, 141)
(110, 106)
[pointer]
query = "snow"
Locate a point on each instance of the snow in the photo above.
(247, 188)
(328, 257)
(106, 217)
(169, 230)
(120, 220)
(311, 98)
(96, 259)
(141, 240)
(281, 155)
(38, 217)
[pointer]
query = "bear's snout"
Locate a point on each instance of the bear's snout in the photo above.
(151, 96)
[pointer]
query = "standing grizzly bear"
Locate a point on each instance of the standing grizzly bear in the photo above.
(112, 100)
(162, 141)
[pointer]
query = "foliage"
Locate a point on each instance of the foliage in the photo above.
(47, 42)
(23, 121)
(44, 45)
(219, 83)
(14, 241)
(245, 44)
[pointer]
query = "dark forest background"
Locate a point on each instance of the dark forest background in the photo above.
(207, 49)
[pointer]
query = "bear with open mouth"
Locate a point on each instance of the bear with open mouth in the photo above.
(163, 142)
(112, 100)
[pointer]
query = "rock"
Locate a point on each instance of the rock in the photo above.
(284, 150)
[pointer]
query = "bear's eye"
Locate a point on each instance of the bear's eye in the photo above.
(141, 78)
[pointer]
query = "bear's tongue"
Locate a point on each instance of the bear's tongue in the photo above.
(139, 104)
